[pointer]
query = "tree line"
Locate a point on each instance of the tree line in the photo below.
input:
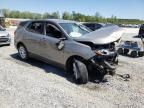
(69, 16)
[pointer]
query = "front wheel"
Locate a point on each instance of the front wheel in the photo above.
(22, 52)
(80, 72)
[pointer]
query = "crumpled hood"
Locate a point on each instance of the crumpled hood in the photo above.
(102, 36)
(3, 33)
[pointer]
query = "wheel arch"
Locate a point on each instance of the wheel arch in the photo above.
(68, 64)
(20, 43)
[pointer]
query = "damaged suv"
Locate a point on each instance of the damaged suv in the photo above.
(69, 45)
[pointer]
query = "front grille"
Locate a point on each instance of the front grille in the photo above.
(4, 39)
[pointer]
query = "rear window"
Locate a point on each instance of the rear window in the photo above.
(22, 24)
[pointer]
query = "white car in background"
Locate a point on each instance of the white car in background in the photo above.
(5, 38)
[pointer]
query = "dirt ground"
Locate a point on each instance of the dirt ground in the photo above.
(34, 84)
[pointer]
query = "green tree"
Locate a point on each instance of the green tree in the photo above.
(67, 16)
(97, 17)
(55, 15)
(37, 16)
(78, 17)
(46, 15)
(14, 14)
(6, 12)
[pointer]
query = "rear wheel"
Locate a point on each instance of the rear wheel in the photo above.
(134, 53)
(22, 52)
(80, 72)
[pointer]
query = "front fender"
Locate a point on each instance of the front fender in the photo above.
(75, 48)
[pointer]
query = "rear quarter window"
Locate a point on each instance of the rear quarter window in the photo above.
(22, 24)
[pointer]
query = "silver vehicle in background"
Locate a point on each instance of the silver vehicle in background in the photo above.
(5, 38)
(69, 45)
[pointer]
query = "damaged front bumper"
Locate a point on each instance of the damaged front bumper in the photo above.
(104, 64)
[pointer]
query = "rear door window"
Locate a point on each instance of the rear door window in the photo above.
(36, 27)
(22, 24)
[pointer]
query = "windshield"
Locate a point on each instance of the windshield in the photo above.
(74, 29)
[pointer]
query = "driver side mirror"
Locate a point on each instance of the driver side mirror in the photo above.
(61, 43)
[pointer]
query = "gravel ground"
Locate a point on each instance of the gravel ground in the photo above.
(39, 85)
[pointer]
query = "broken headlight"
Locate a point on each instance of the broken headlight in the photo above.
(103, 52)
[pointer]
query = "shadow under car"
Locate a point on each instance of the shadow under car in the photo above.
(93, 77)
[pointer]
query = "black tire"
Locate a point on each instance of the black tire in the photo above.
(112, 73)
(120, 51)
(23, 56)
(140, 54)
(134, 53)
(82, 72)
(126, 51)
